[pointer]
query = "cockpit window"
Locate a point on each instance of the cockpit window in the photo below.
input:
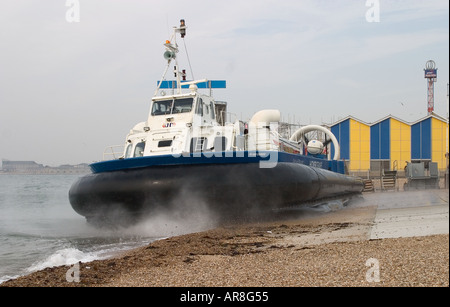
(162, 107)
(182, 105)
(139, 149)
(128, 152)
(212, 110)
(165, 107)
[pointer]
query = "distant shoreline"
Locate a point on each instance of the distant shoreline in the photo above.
(49, 171)
(53, 172)
(33, 168)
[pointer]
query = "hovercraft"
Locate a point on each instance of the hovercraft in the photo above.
(189, 149)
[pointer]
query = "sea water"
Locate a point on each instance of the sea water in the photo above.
(39, 228)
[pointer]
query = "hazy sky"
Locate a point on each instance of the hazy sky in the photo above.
(69, 89)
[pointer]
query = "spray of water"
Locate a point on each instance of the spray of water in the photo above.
(403, 199)
(186, 213)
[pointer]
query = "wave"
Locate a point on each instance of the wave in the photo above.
(67, 256)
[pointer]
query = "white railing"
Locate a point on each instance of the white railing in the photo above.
(113, 152)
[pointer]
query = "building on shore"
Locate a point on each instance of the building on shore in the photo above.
(390, 143)
(20, 166)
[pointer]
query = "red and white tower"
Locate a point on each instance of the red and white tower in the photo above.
(431, 75)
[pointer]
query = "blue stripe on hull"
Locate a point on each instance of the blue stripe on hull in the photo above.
(267, 159)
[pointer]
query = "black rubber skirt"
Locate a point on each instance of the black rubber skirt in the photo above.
(227, 189)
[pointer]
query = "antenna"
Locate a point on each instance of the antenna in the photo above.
(431, 75)
(171, 54)
(180, 81)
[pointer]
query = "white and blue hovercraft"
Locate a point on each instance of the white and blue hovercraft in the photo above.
(188, 145)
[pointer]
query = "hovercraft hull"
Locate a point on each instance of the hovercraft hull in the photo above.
(228, 189)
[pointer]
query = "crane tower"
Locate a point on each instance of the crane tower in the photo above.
(431, 76)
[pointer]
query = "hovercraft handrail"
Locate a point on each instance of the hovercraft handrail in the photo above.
(114, 151)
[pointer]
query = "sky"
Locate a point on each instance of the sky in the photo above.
(77, 75)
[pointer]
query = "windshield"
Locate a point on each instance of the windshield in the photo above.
(176, 106)
(162, 107)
